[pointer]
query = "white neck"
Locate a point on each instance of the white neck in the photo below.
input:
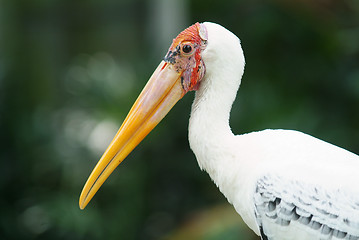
(210, 135)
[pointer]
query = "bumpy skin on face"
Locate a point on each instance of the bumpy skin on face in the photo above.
(185, 55)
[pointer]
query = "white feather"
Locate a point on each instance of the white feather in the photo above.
(238, 163)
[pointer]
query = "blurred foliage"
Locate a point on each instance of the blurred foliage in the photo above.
(70, 70)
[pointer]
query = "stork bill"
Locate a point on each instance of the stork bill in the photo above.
(284, 184)
(169, 83)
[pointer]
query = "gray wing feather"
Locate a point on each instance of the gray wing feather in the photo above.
(302, 211)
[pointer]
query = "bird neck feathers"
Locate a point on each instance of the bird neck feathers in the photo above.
(209, 131)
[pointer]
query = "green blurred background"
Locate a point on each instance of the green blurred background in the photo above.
(70, 71)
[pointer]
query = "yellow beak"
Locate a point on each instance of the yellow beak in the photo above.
(160, 94)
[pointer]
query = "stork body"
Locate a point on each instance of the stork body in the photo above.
(316, 183)
(284, 184)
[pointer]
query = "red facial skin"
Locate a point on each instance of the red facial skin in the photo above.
(185, 55)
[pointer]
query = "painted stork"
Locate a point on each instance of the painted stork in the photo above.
(285, 184)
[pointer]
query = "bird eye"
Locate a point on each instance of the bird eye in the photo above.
(187, 49)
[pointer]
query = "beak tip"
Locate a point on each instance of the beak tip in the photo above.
(82, 203)
(82, 206)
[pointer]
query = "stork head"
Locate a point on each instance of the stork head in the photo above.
(181, 71)
(185, 55)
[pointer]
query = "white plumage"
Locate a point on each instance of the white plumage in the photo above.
(285, 184)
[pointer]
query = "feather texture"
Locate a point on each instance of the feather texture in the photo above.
(303, 211)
